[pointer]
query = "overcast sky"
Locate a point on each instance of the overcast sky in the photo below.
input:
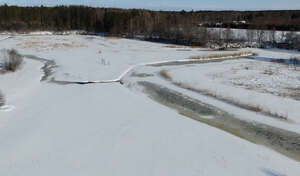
(169, 4)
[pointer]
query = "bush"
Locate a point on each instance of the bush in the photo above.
(2, 100)
(295, 61)
(12, 61)
(224, 55)
(166, 75)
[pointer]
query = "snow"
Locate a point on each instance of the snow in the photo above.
(181, 73)
(107, 129)
(269, 86)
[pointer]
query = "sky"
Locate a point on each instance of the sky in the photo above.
(170, 4)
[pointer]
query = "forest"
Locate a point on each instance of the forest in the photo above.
(179, 27)
(138, 20)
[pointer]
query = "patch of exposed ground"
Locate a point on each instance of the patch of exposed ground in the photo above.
(224, 55)
(181, 46)
(50, 44)
(190, 62)
(141, 75)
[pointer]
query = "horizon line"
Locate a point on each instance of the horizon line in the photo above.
(154, 8)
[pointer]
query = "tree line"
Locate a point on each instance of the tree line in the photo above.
(179, 27)
(138, 20)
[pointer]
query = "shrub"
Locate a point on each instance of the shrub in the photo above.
(295, 61)
(166, 75)
(2, 100)
(12, 61)
(224, 55)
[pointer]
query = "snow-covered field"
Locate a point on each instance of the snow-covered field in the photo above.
(94, 58)
(274, 88)
(108, 129)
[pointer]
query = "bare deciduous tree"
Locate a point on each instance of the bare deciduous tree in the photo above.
(282, 36)
(203, 35)
(293, 39)
(272, 36)
(260, 35)
(2, 100)
(227, 36)
(250, 36)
